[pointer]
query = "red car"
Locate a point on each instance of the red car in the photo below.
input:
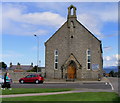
(32, 78)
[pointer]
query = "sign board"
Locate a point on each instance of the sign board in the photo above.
(95, 66)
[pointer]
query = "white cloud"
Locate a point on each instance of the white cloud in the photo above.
(117, 57)
(109, 15)
(109, 48)
(94, 20)
(107, 58)
(44, 18)
(17, 22)
(111, 60)
(15, 15)
(113, 57)
(91, 22)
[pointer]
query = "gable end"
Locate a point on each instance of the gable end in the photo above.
(88, 31)
(55, 33)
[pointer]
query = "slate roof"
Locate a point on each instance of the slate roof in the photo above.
(23, 67)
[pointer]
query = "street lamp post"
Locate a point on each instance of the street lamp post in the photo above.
(37, 51)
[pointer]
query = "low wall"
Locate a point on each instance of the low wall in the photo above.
(15, 76)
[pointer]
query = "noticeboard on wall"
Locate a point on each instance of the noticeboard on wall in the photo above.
(95, 66)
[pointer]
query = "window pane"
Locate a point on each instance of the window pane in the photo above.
(88, 52)
(56, 58)
(56, 65)
(88, 58)
(88, 65)
(56, 52)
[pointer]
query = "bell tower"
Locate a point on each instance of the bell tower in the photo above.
(71, 16)
(71, 12)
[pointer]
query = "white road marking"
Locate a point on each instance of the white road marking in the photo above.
(106, 83)
(111, 85)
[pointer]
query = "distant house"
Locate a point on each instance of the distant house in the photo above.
(20, 68)
(107, 75)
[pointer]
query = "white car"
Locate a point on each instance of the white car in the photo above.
(1, 79)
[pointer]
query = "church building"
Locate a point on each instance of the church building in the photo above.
(73, 52)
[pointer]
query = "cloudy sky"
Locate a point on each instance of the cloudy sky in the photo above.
(21, 20)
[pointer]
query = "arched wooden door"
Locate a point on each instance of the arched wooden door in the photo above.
(71, 70)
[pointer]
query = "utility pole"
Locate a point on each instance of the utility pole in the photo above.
(37, 51)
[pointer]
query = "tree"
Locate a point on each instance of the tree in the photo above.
(116, 74)
(111, 73)
(119, 73)
(34, 69)
(10, 64)
(3, 65)
(31, 64)
(18, 64)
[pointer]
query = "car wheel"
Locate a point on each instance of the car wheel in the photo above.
(22, 81)
(37, 81)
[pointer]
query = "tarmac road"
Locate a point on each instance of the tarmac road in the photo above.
(114, 83)
(64, 85)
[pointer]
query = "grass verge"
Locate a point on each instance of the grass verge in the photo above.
(86, 96)
(33, 90)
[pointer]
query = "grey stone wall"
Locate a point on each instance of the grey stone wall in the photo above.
(15, 76)
(58, 41)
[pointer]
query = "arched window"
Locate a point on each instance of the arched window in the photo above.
(88, 59)
(56, 59)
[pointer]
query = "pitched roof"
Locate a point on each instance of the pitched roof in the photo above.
(23, 67)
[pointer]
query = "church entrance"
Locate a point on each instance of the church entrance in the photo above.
(71, 70)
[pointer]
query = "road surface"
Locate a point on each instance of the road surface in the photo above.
(64, 85)
(113, 81)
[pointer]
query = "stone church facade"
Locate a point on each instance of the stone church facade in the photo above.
(73, 52)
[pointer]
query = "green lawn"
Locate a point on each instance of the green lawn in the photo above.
(32, 90)
(85, 96)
